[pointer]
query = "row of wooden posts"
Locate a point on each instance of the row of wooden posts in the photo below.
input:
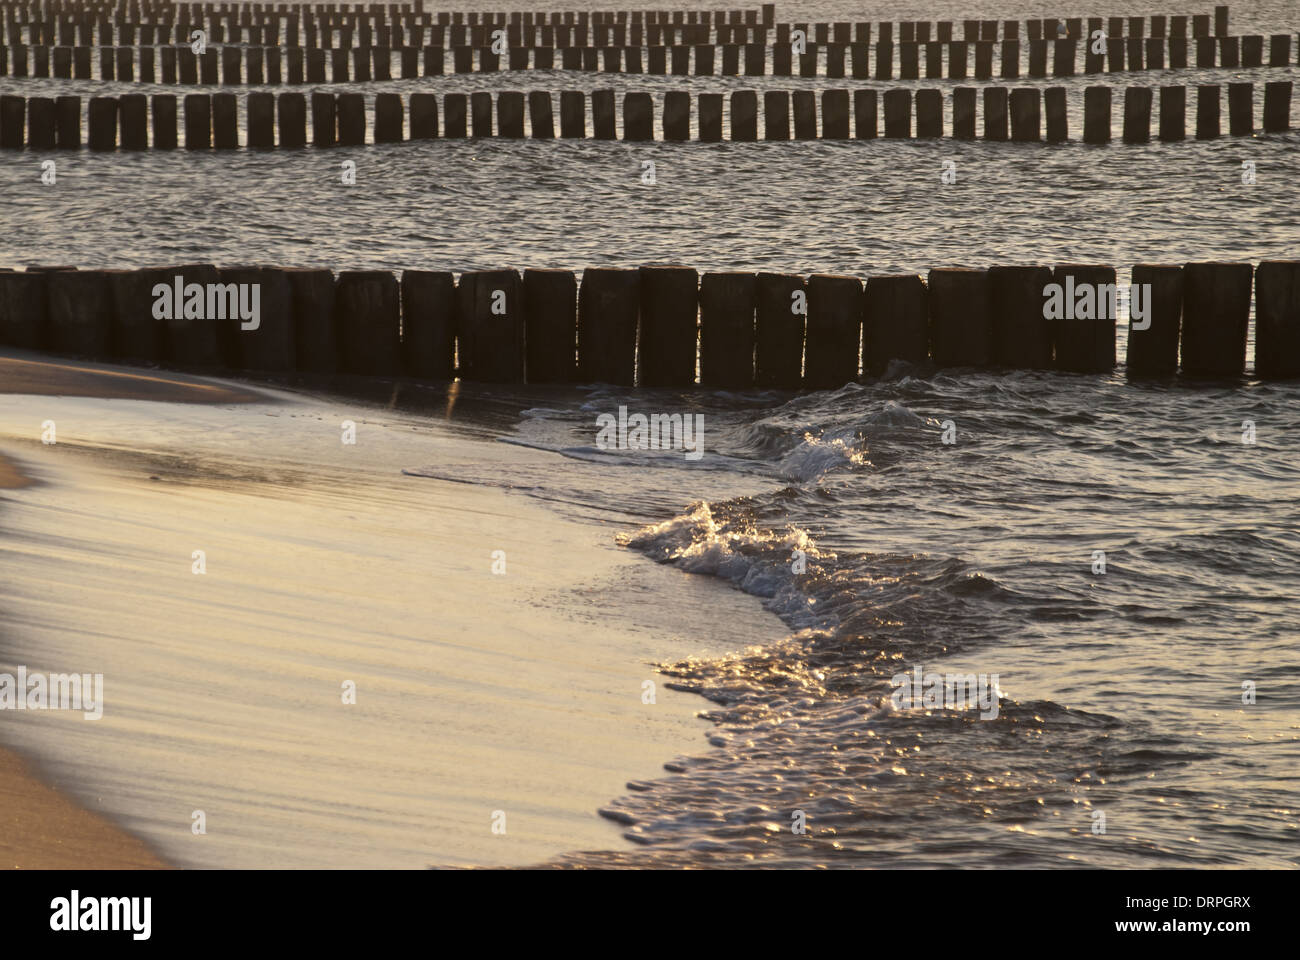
(649, 326)
(956, 60)
(560, 30)
(1020, 114)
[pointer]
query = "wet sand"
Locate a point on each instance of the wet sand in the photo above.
(35, 375)
(11, 478)
(42, 828)
(477, 694)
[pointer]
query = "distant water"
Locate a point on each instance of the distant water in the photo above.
(1121, 692)
(849, 207)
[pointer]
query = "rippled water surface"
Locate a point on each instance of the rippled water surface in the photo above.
(1121, 692)
(855, 207)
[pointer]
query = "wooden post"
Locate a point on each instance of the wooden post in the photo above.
(744, 115)
(1010, 59)
(963, 113)
(429, 323)
(573, 114)
(995, 113)
(667, 341)
(1241, 109)
(102, 123)
(961, 328)
(638, 116)
(225, 122)
(291, 112)
(271, 345)
(1058, 130)
(261, 121)
(480, 114)
(776, 115)
(727, 330)
(315, 329)
(540, 117)
(1216, 312)
(1153, 338)
(1137, 114)
(865, 114)
(41, 123)
(1279, 50)
(1207, 112)
(1277, 319)
(602, 114)
(1173, 113)
(805, 115)
(136, 336)
(896, 326)
(1026, 114)
(510, 114)
(929, 114)
(1022, 337)
(1084, 333)
(898, 113)
(232, 65)
(1063, 57)
(323, 112)
(193, 343)
(80, 313)
(608, 309)
(780, 310)
(24, 309)
(368, 317)
(550, 308)
(835, 114)
(834, 325)
(68, 122)
(1277, 106)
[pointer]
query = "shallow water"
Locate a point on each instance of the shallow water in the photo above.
(1121, 692)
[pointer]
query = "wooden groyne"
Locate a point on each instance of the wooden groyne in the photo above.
(648, 326)
(1020, 114)
(885, 60)
(118, 23)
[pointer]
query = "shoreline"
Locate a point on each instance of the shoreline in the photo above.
(45, 828)
(533, 689)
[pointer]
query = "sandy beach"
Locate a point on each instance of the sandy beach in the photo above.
(40, 828)
(43, 829)
(480, 698)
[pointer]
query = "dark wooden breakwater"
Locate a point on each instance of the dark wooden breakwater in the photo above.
(910, 60)
(649, 326)
(108, 23)
(1021, 114)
